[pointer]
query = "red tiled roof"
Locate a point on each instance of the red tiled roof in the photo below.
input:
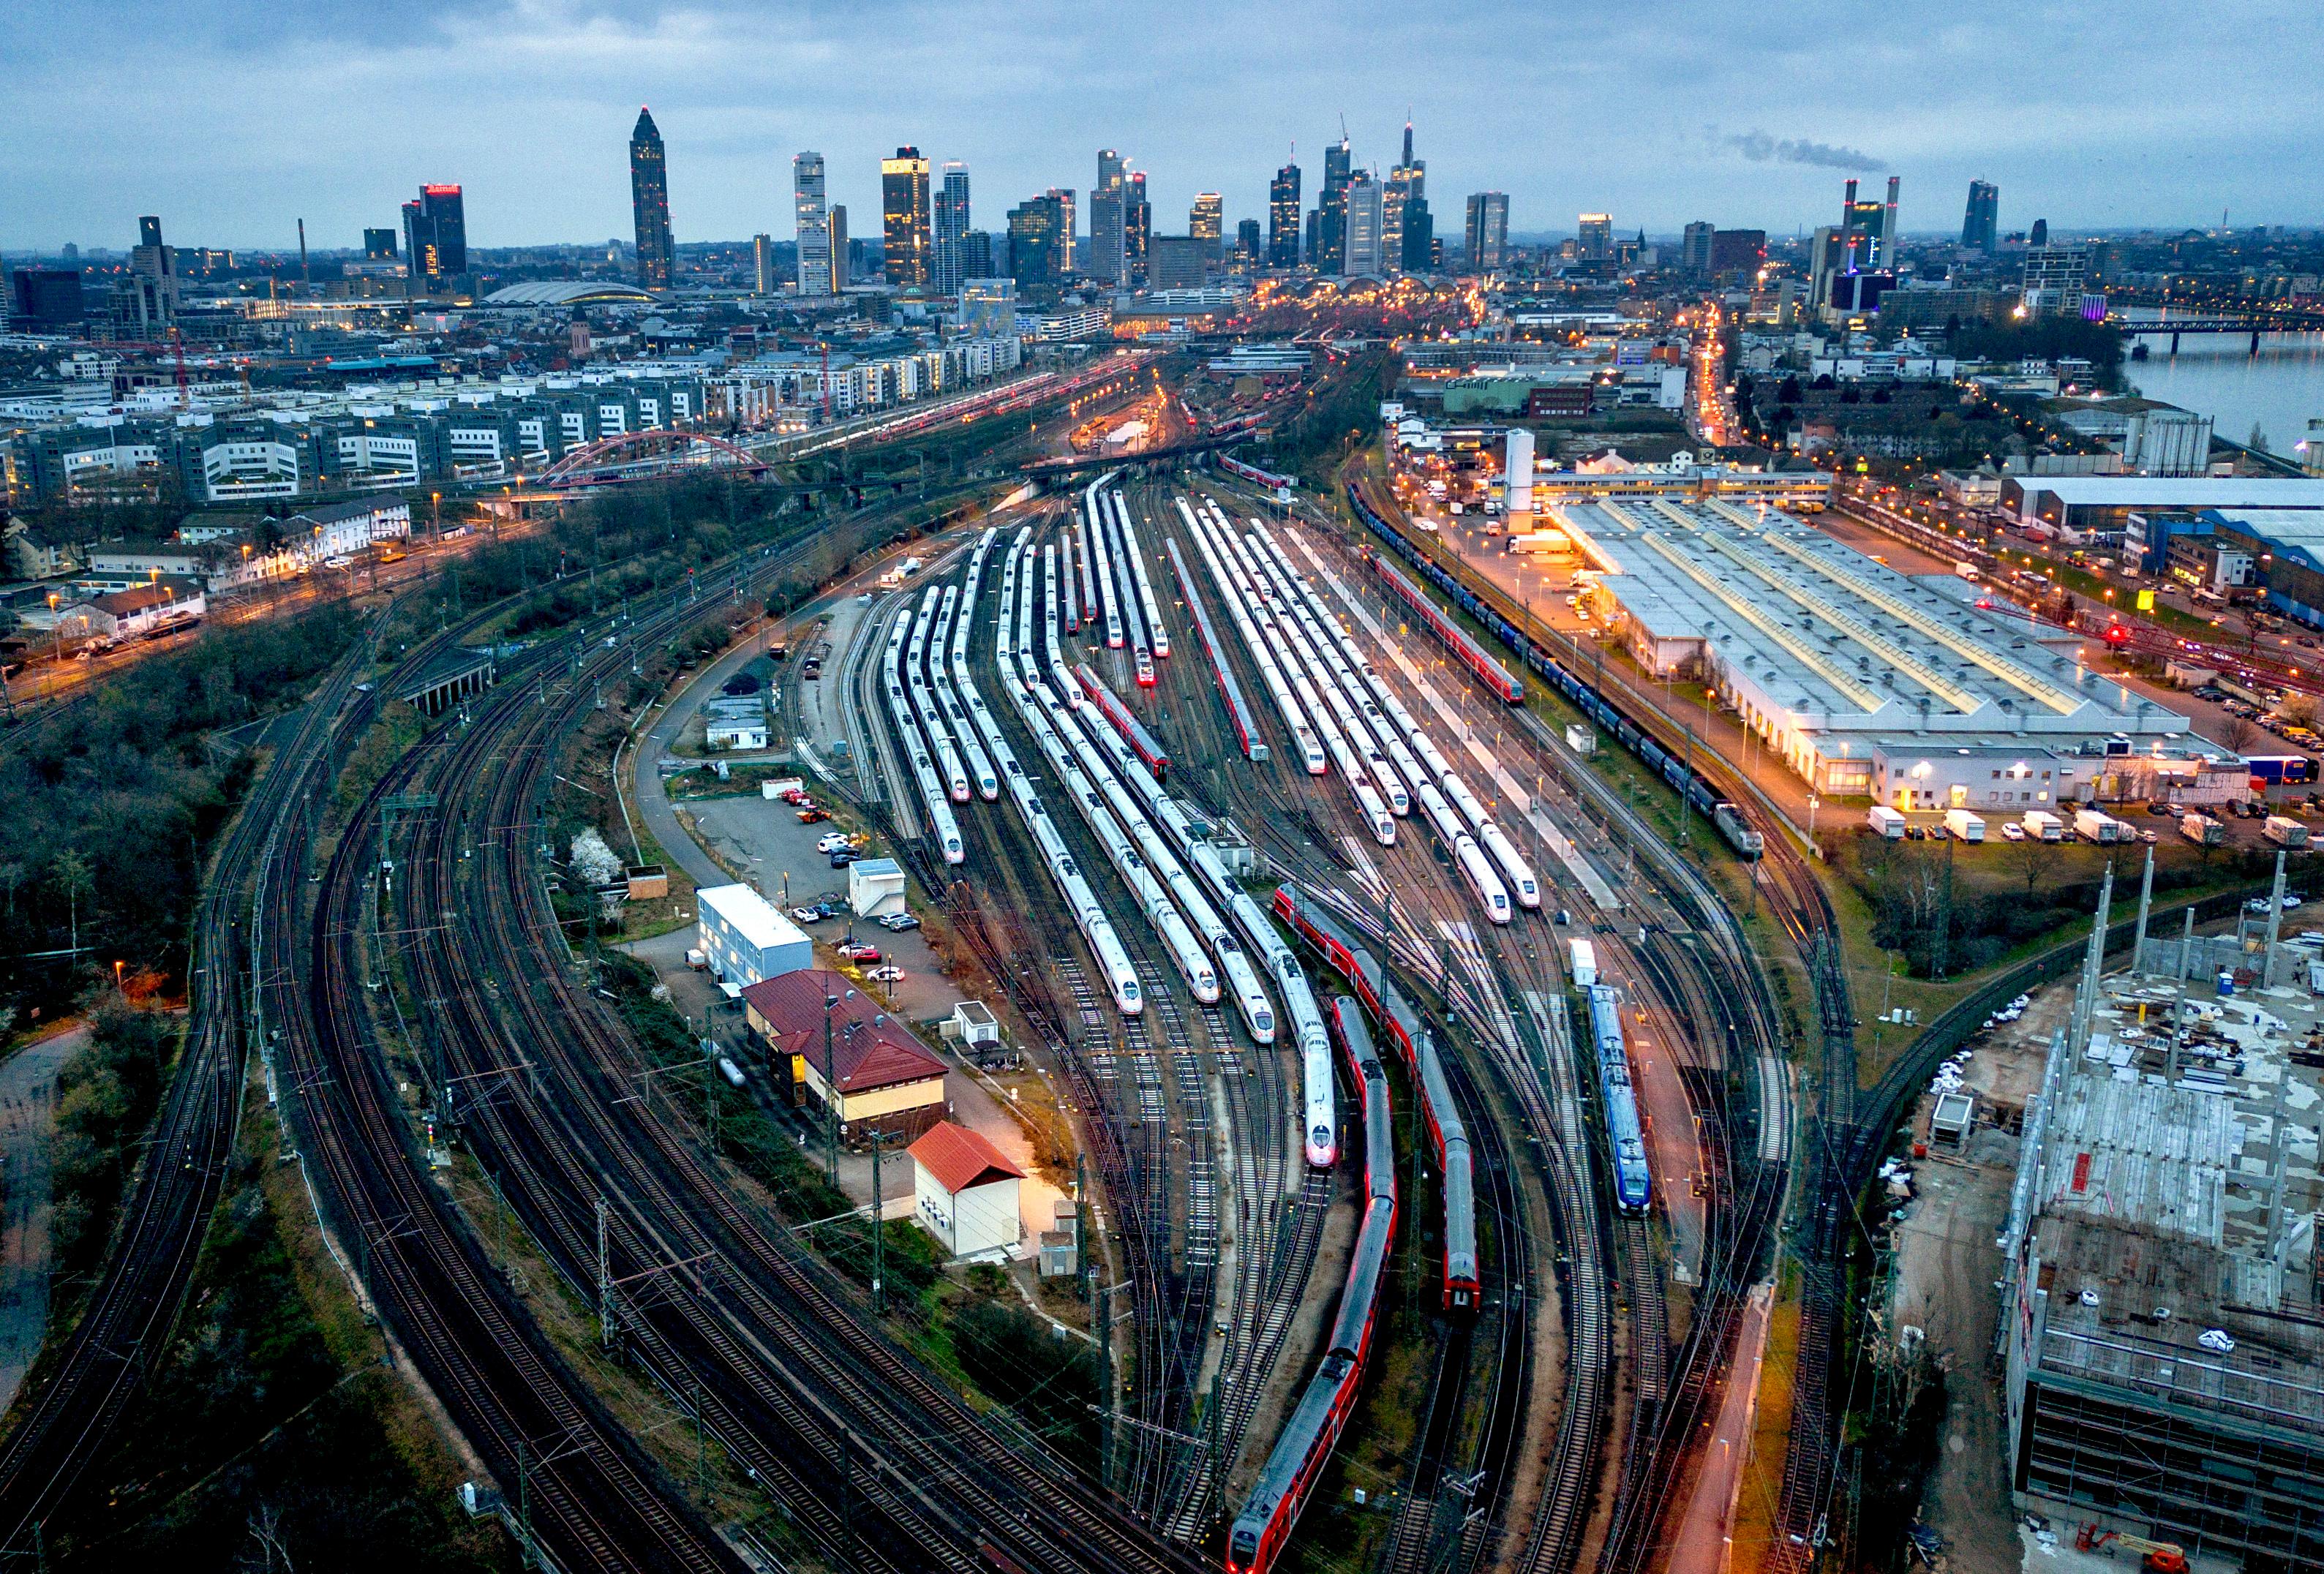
(959, 1159)
(870, 1048)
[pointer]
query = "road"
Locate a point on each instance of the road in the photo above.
(28, 1115)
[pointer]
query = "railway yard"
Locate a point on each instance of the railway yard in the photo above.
(1435, 1114)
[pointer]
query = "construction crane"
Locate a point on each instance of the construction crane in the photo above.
(2156, 1557)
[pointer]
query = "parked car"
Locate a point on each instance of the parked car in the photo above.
(856, 950)
(842, 857)
(2011, 830)
(896, 923)
(888, 974)
(808, 915)
(812, 816)
(832, 841)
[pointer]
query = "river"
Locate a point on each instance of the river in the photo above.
(2279, 390)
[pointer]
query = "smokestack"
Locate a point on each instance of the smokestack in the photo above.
(1888, 228)
(304, 276)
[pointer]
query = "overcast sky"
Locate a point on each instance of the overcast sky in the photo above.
(232, 118)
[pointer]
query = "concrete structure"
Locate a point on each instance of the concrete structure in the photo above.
(450, 678)
(875, 887)
(745, 939)
(964, 1193)
(974, 1023)
(1839, 662)
(1517, 477)
(811, 225)
(829, 1042)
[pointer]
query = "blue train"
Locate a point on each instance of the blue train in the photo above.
(1670, 765)
(1633, 1183)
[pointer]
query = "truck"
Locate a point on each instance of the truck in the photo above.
(1882, 821)
(2097, 825)
(1962, 825)
(2285, 832)
(1966, 569)
(2202, 830)
(2043, 826)
(1581, 959)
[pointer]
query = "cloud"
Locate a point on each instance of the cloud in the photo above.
(1762, 149)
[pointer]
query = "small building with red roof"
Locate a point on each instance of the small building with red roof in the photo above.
(834, 1044)
(964, 1193)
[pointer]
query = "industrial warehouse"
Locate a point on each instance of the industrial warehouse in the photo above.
(1867, 681)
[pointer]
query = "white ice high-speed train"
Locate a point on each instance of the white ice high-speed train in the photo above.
(933, 797)
(949, 764)
(952, 636)
(1270, 674)
(1101, 567)
(1158, 637)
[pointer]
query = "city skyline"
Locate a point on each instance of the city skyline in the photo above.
(1711, 124)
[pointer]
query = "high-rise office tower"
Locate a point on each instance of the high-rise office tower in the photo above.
(2039, 236)
(1137, 229)
(1283, 218)
(1331, 202)
(1981, 223)
(1420, 249)
(1407, 183)
(1594, 239)
(904, 219)
(1864, 229)
(435, 236)
(976, 255)
(1249, 251)
(1033, 226)
(1108, 199)
(379, 245)
(951, 228)
(1694, 247)
(762, 265)
(154, 273)
(840, 270)
(1364, 197)
(1739, 251)
(650, 203)
(1827, 255)
(1206, 221)
(1489, 230)
(1063, 198)
(811, 221)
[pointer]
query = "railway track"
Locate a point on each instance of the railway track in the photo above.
(66, 1421)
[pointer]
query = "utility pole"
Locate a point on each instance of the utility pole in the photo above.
(605, 1283)
(1105, 1386)
(879, 1225)
(830, 1097)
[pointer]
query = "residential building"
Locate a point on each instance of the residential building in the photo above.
(153, 280)
(436, 237)
(1695, 245)
(1981, 222)
(1283, 218)
(649, 204)
(1206, 222)
(1362, 205)
(904, 219)
(1594, 238)
(811, 225)
(2053, 280)
(951, 229)
(964, 1193)
(743, 938)
(135, 613)
(1489, 231)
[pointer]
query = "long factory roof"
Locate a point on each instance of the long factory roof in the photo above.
(1841, 641)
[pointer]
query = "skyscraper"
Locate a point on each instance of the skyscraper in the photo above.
(762, 265)
(1419, 236)
(841, 272)
(1739, 251)
(951, 229)
(1694, 247)
(812, 224)
(1331, 202)
(904, 219)
(1981, 223)
(1249, 250)
(1064, 196)
(1489, 230)
(1033, 226)
(435, 236)
(1137, 229)
(1361, 206)
(379, 245)
(154, 276)
(650, 203)
(1206, 221)
(1407, 183)
(1108, 199)
(1283, 218)
(1594, 239)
